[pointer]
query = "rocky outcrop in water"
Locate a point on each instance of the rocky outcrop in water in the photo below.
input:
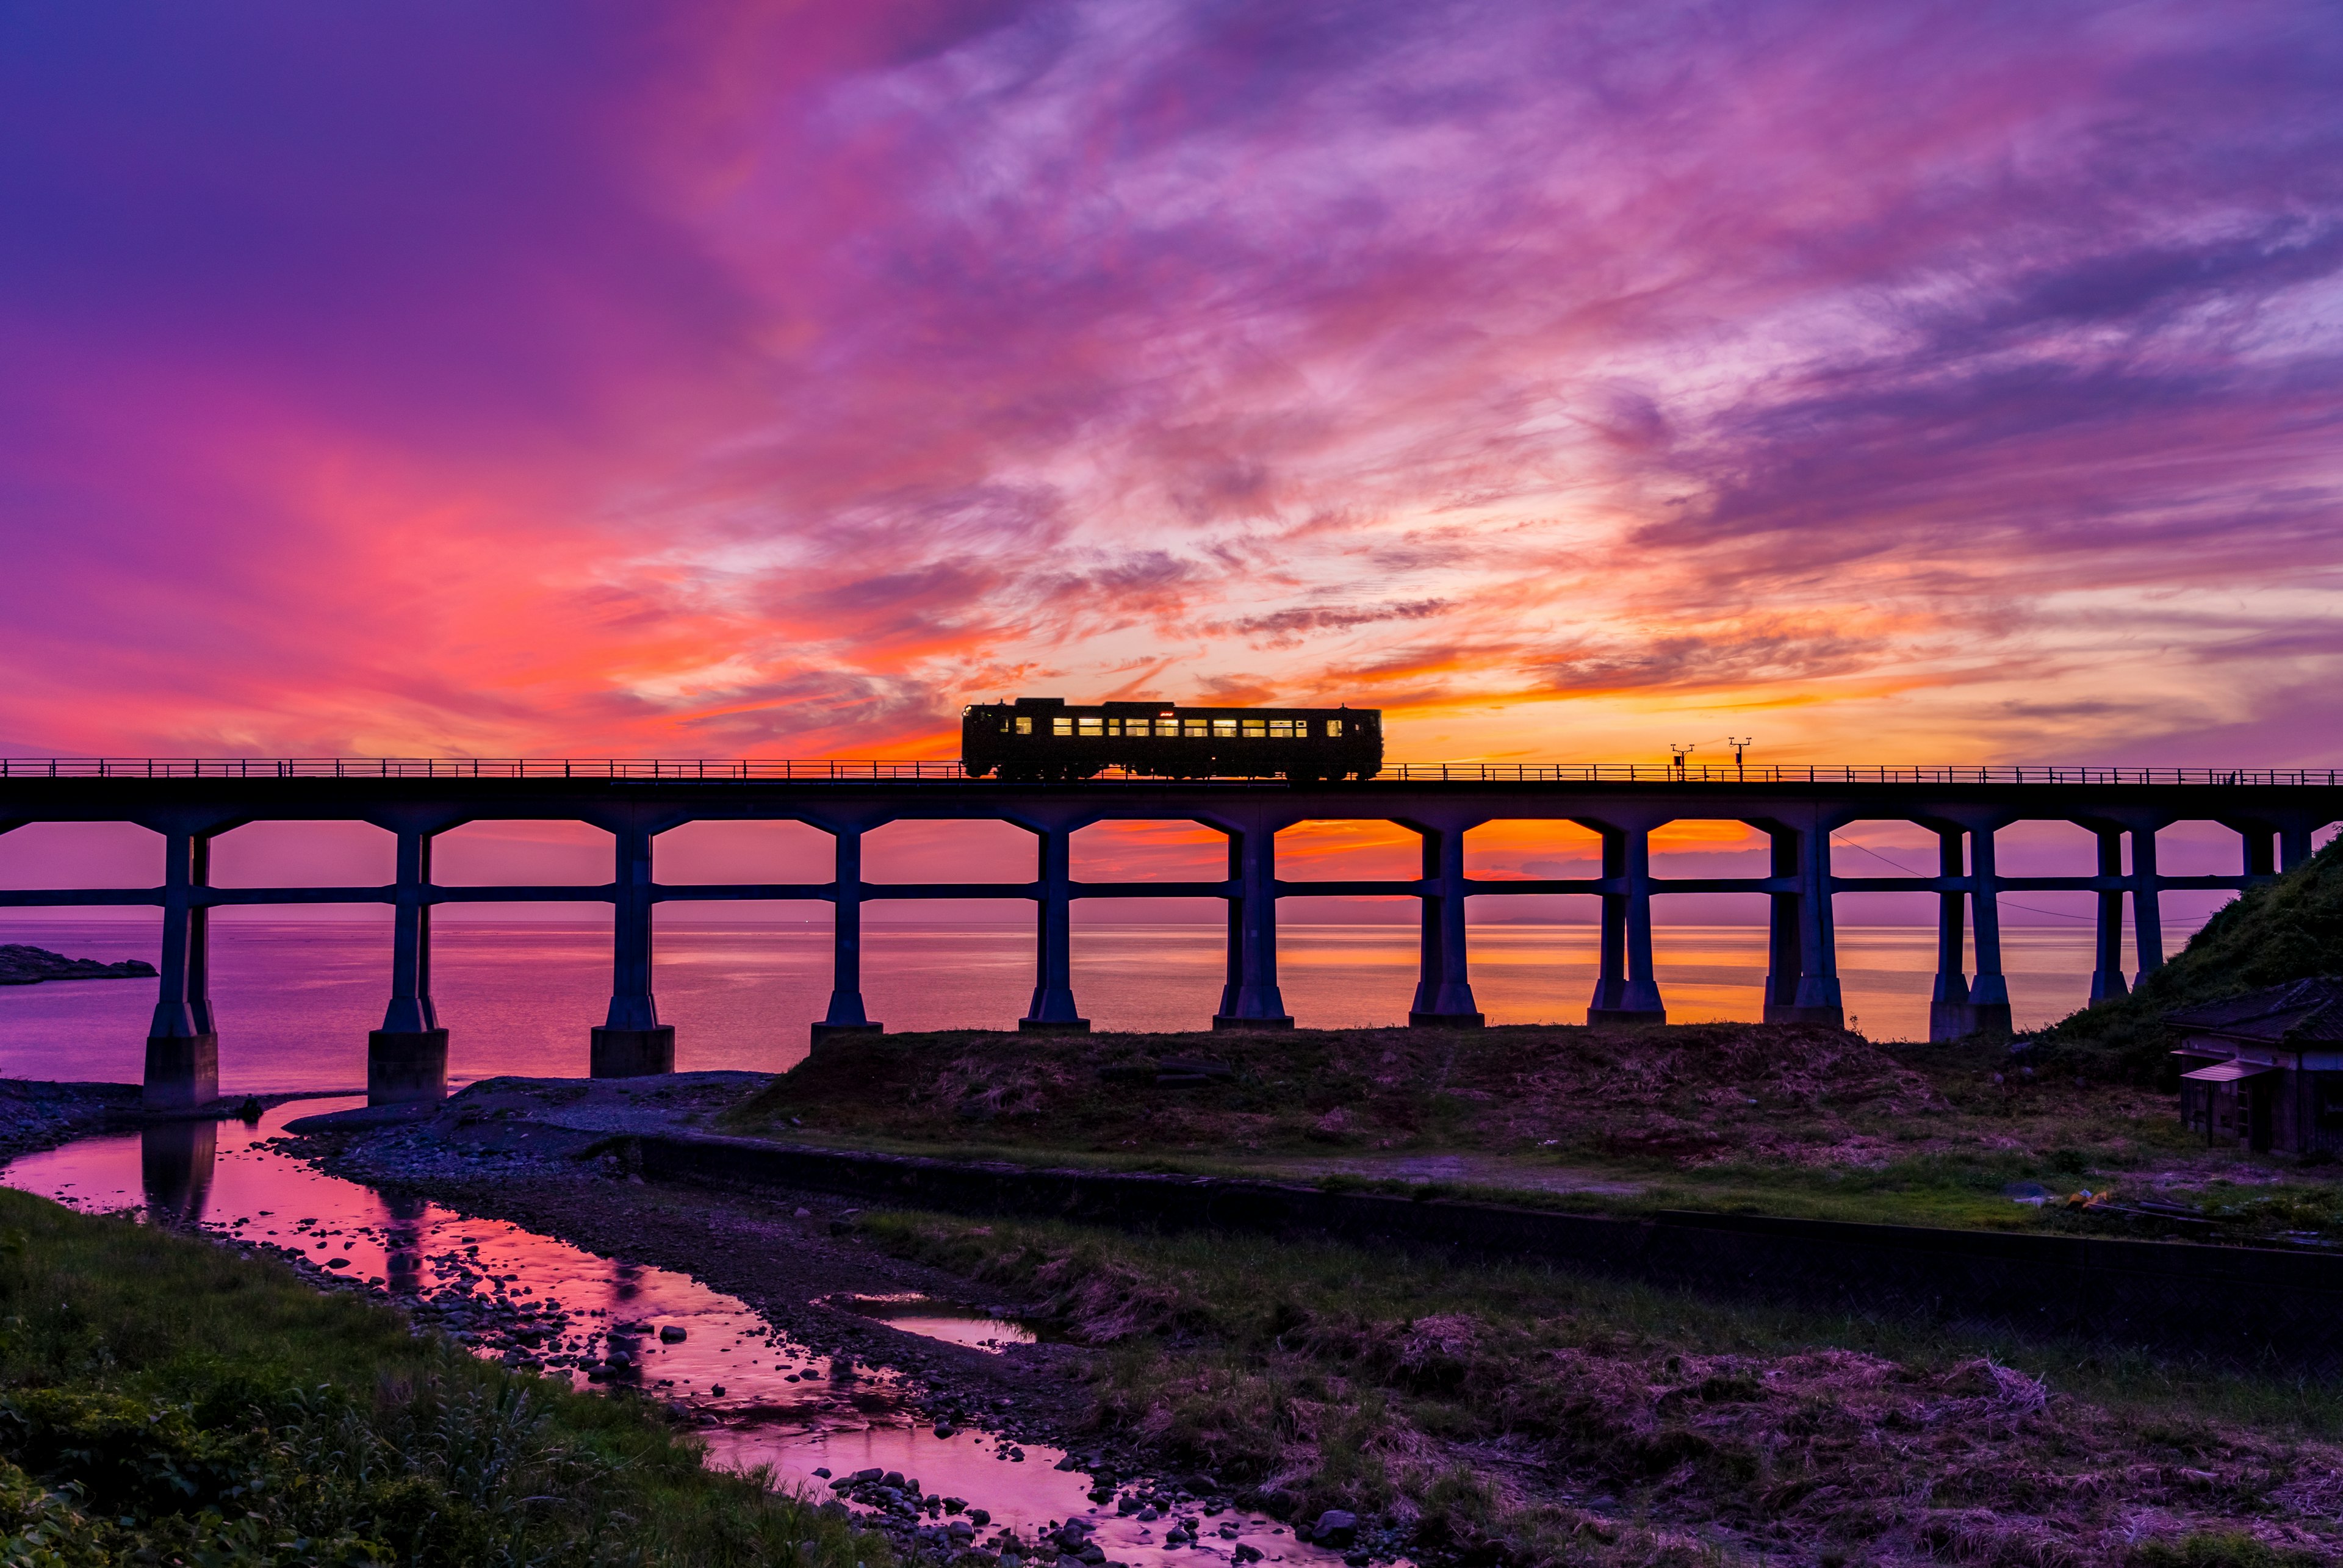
(23, 965)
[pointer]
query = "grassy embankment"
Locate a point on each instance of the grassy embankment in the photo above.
(1778, 1120)
(165, 1401)
(1525, 1415)
(2289, 929)
(1772, 1118)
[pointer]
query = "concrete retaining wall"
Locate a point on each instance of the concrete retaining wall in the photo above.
(2238, 1305)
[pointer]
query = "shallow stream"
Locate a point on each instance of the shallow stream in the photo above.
(525, 1299)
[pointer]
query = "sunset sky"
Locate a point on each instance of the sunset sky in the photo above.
(1906, 382)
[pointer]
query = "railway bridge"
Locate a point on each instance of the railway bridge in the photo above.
(191, 801)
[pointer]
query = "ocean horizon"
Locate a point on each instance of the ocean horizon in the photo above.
(294, 998)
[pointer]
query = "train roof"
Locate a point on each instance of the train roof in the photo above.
(1056, 704)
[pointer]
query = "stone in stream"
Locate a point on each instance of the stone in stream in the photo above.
(1336, 1527)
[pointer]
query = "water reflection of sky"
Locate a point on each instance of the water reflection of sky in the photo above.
(782, 1405)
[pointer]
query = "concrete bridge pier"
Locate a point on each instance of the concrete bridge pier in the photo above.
(846, 1015)
(633, 1043)
(1949, 1013)
(1251, 999)
(1818, 999)
(2147, 911)
(1444, 990)
(1611, 953)
(183, 1044)
(1989, 992)
(2294, 843)
(407, 1058)
(1784, 962)
(1053, 1009)
(1627, 991)
(2106, 969)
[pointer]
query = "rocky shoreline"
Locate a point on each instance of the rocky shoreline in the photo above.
(36, 1115)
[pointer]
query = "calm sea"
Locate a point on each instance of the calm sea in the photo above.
(294, 1000)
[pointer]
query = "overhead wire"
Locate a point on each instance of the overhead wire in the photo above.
(2030, 909)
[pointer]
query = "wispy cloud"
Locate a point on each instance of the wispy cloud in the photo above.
(1941, 376)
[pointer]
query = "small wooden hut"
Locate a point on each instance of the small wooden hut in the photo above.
(2265, 1071)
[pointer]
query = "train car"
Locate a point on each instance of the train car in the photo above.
(1043, 738)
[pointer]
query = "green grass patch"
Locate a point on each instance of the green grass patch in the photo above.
(163, 1400)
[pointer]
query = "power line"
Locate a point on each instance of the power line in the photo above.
(2030, 909)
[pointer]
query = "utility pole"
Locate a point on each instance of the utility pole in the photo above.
(1737, 746)
(1681, 753)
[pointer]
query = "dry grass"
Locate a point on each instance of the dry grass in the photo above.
(1526, 1415)
(1767, 1118)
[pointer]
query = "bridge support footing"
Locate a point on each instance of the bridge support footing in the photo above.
(1827, 1017)
(1950, 1020)
(404, 1065)
(823, 1034)
(1222, 1022)
(1053, 1026)
(1447, 1020)
(1991, 1019)
(1623, 1017)
(632, 1052)
(182, 1072)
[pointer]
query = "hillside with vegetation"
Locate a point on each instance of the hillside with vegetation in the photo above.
(2289, 929)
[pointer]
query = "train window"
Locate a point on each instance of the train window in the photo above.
(1093, 726)
(1195, 727)
(1222, 726)
(1252, 729)
(1024, 726)
(1333, 726)
(1167, 727)
(1062, 726)
(1285, 729)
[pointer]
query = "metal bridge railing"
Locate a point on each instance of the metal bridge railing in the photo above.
(944, 772)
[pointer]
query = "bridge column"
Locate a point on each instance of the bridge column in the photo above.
(182, 1043)
(1989, 993)
(846, 1015)
(2147, 911)
(1251, 999)
(633, 1043)
(2107, 969)
(1816, 999)
(1949, 1015)
(2257, 850)
(1782, 962)
(407, 1058)
(1053, 1009)
(1444, 988)
(2293, 845)
(1611, 964)
(1628, 991)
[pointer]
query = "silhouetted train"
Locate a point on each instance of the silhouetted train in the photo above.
(1039, 737)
